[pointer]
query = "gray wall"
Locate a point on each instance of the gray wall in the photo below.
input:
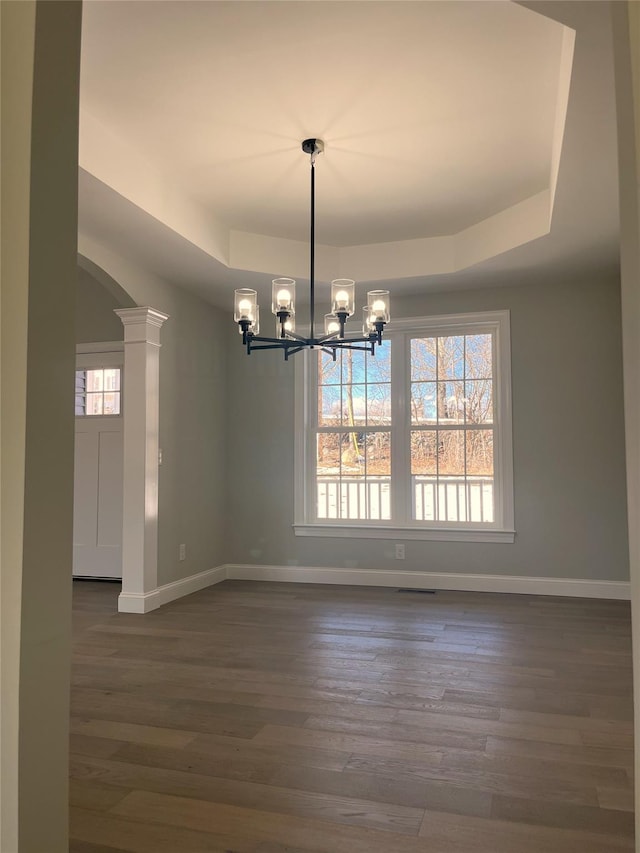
(569, 468)
(193, 386)
(95, 320)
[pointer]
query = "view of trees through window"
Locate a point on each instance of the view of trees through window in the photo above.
(447, 432)
(452, 427)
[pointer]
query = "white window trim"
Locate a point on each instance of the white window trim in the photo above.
(502, 530)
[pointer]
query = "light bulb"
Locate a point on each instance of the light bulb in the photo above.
(378, 307)
(288, 326)
(244, 307)
(333, 327)
(284, 298)
(342, 298)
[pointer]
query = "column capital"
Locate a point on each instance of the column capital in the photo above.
(141, 325)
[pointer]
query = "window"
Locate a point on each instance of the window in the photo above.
(353, 435)
(415, 441)
(98, 391)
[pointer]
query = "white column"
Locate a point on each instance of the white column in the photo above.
(140, 482)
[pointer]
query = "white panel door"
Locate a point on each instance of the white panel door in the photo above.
(97, 523)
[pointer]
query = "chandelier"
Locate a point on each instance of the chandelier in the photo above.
(375, 313)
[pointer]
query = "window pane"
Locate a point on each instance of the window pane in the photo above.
(451, 402)
(379, 366)
(353, 475)
(111, 404)
(451, 357)
(355, 498)
(329, 410)
(79, 404)
(479, 401)
(423, 359)
(81, 381)
(379, 404)
(377, 449)
(112, 379)
(353, 405)
(94, 404)
(451, 451)
(328, 458)
(95, 380)
(423, 402)
(328, 369)
(353, 368)
(424, 453)
(478, 356)
(352, 453)
(480, 452)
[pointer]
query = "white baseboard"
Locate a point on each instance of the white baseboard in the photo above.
(133, 602)
(137, 602)
(434, 580)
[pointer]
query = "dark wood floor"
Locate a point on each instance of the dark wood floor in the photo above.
(286, 718)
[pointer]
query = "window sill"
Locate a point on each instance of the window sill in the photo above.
(427, 534)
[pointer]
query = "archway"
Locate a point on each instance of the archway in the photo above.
(109, 313)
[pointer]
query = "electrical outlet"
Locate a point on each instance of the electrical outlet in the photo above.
(182, 552)
(399, 552)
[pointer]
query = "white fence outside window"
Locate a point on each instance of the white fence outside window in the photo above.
(444, 499)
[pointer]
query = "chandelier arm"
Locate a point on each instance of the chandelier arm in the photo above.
(331, 340)
(293, 336)
(370, 348)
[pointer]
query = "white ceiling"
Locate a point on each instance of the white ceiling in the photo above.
(444, 124)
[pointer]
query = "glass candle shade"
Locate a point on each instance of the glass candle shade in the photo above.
(245, 305)
(378, 306)
(367, 327)
(331, 324)
(343, 296)
(289, 326)
(283, 295)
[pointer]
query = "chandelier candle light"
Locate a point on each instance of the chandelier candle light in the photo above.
(375, 313)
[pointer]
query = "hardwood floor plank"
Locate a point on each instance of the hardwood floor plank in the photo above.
(132, 732)
(93, 832)
(226, 747)
(420, 701)
(284, 736)
(419, 794)
(447, 834)
(440, 735)
(353, 811)
(310, 834)
(88, 847)
(602, 756)
(577, 722)
(99, 747)
(531, 763)
(95, 795)
(622, 738)
(620, 799)
(479, 779)
(499, 728)
(562, 815)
